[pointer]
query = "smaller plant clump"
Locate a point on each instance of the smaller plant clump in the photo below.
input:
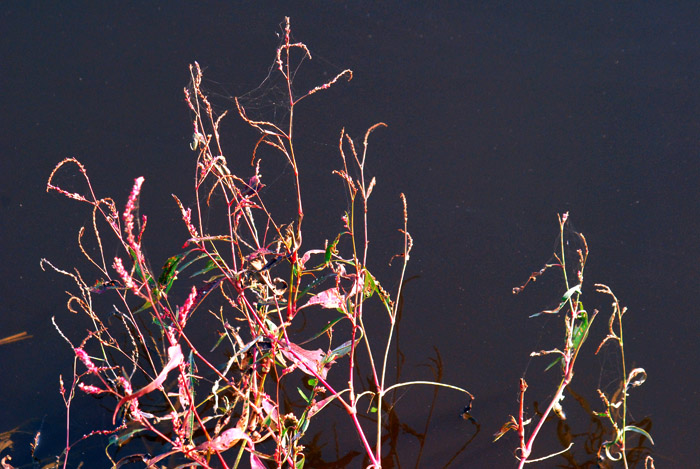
(147, 353)
(577, 324)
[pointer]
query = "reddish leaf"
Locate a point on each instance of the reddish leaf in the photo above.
(255, 462)
(318, 406)
(308, 361)
(175, 359)
(224, 441)
(270, 408)
(331, 299)
(307, 256)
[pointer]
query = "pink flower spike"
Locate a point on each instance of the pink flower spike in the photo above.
(85, 358)
(125, 276)
(178, 428)
(187, 217)
(129, 211)
(89, 389)
(124, 384)
(184, 312)
(184, 388)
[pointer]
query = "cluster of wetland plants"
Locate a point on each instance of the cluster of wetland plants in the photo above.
(248, 393)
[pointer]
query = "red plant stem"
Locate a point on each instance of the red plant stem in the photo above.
(527, 450)
(376, 459)
(350, 408)
(68, 404)
(521, 425)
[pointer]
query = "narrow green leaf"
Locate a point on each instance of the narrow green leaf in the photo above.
(124, 437)
(326, 328)
(210, 265)
(581, 329)
(193, 260)
(569, 293)
(267, 421)
(169, 272)
(144, 276)
(374, 287)
(564, 300)
(632, 428)
(304, 425)
(169, 269)
(340, 351)
(222, 336)
(315, 283)
(145, 306)
(553, 363)
(306, 399)
(332, 248)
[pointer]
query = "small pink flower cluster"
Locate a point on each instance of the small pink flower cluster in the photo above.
(85, 358)
(133, 403)
(184, 388)
(177, 429)
(187, 216)
(125, 276)
(184, 311)
(129, 213)
(90, 389)
(170, 334)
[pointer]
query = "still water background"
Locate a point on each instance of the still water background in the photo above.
(500, 116)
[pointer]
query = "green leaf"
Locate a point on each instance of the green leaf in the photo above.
(304, 424)
(632, 428)
(569, 293)
(374, 287)
(553, 363)
(341, 351)
(124, 437)
(326, 328)
(313, 284)
(192, 261)
(169, 272)
(581, 329)
(580, 334)
(143, 275)
(210, 265)
(332, 248)
(564, 299)
(145, 306)
(222, 336)
(306, 399)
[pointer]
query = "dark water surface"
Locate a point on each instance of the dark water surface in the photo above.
(500, 116)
